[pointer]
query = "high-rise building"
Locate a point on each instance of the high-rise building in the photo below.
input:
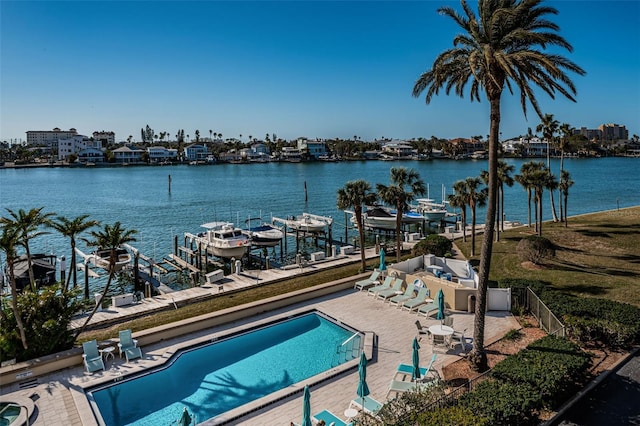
(49, 138)
(612, 132)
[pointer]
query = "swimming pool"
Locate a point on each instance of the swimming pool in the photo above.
(234, 370)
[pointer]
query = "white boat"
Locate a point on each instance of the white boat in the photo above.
(307, 223)
(222, 239)
(382, 218)
(432, 211)
(264, 235)
(101, 258)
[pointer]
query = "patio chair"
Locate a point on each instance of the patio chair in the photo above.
(398, 387)
(367, 282)
(128, 346)
(427, 309)
(417, 301)
(386, 294)
(91, 356)
(399, 299)
(457, 338)
(372, 291)
(405, 370)
(448, 321)
(367, 404)
(422, 331)
(329, 418)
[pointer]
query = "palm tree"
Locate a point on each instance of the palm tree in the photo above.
(9, 239)
(566, 131)
(27, 224)
(459, 199)
(504, 47)
(110, 238)
(564, 185)
(396, 195)
(549, 127)
(541, 178)
(476, 197)
(524, 179)
(504, 178)
(355, 195)
(71, 228)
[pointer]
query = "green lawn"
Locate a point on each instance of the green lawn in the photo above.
(597, 255)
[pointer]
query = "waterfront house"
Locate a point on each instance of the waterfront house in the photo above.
(315, 149)
(398, 150)
(159, 154)
(80, 144)
(196, 152)
(127, 155)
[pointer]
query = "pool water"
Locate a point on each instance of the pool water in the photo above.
(212, 379)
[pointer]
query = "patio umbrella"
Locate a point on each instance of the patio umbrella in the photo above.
(306, 407)
(415, 375)
(440, 300)
(185, 420)
(363, 389)
(383, 267)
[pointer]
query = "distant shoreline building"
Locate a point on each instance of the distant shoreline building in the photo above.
(49, 138)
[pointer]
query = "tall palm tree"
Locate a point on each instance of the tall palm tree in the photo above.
(524, 179)
(71, 228)
(566, 131)
(504, 47)
(564, 185)
(27, 224)
(459, 199)
(549, 127)
(9, 239)
(396, 195)
(109, 238)
(541, 179)
(476, 197)
(355, 195)
(504, 178)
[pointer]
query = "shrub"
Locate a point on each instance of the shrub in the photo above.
(535, 248)
(503, 403)
(406, 409)
(451, 416)
(433, 244)
(553, 366)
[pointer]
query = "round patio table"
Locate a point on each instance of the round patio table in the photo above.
(441, 330)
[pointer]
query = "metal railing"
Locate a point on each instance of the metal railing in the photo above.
(349, 349)
(547, 319)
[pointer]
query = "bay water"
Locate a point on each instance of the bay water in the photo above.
(141, 197)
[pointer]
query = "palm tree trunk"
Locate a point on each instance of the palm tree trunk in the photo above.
(553, 206)
(566, 219)
(363, 258)
(473, 230)
(540, 214)
(398, 232)
(112, 273)
(478, 355)
(14, 304)
(529, 208)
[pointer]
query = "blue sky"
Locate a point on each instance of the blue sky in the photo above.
(296, 68)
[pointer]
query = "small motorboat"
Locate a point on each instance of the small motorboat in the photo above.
(263, 235)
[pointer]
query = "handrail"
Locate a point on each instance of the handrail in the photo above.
(350, 338)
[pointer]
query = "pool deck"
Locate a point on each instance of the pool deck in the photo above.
(59, 397)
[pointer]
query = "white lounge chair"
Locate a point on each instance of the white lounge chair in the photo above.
(367, 282)
(416, 302)
(406, 370)
(373, 291)
(367, 404)
(398, 387)
(386, 294)
(399, 299)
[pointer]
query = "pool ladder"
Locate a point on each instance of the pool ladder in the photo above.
(348, 350)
